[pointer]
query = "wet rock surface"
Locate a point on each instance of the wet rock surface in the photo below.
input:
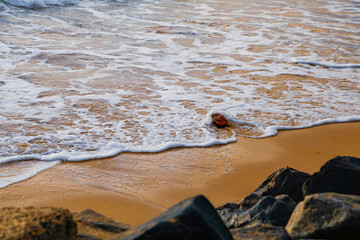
(219, 120)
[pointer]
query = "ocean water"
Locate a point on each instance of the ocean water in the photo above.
(85, 79)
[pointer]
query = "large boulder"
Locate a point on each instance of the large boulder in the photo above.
(268, 210)
(37, 223)
(340, 175)
(327, 216)
(92, 225)
(194, 218)
(283, 181)
(260, 232)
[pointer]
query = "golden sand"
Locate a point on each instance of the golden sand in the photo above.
(133, 188)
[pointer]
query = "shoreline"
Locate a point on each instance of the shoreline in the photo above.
(135, 187)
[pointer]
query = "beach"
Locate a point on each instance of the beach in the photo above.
(109, 105)
(133, 188)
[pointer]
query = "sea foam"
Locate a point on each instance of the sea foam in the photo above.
(40, 3)
(98, 78)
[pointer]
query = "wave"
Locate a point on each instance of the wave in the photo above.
(40, 3)
(274, 130)
(327, 65)
(36, 164)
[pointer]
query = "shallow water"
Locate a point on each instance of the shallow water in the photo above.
(91, 79)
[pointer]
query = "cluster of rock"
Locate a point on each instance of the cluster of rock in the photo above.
(289, 204)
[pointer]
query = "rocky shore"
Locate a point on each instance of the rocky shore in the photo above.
(289, 204)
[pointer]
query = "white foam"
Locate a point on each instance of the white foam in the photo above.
(327, 64)
(40, 3)
(25, 173)
(273, 130)
(99, 78)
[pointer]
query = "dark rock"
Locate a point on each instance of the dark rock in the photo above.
(233, 217)
(273, 211)
(231, 206)
(249, 201)
(83, 236)
(194, 218)
(219, 120)
(268, 210)
(286, 199)
(282, 181)
(92, 225)
(36, 223)
(91, 218)
(326, 215)
(340, 175)
(260, 232)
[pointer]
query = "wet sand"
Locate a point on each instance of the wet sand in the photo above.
(133, 188)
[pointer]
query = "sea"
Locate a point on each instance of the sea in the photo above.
(89, 79)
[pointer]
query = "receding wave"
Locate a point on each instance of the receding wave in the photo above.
(40, 3)
(100, 77)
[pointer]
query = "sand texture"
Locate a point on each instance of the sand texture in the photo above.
(133, 188)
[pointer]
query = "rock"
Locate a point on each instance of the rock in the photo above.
(340, 175)
(231, 206)
(260, 232)
(36, 223)
(92, 225)
(249, 201)
(268, 210)
(282, 181)
(233, 218)
(87, 237)
(326, 215)
(286, 199)
(219, 120)
(194, 218)
(271, 210)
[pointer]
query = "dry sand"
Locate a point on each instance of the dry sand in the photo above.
(133, 188)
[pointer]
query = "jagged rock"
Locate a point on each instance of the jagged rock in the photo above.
(231, 206)
(282, 181)
(326, 215)
(36, 223)
(271, 210)
(92, 225)
(260, 232)
(85, 236)
(249, 201)
(268, 210)
(233, 217)
(286, 199)
(340, 175)
(91, 218)
(194, 218)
